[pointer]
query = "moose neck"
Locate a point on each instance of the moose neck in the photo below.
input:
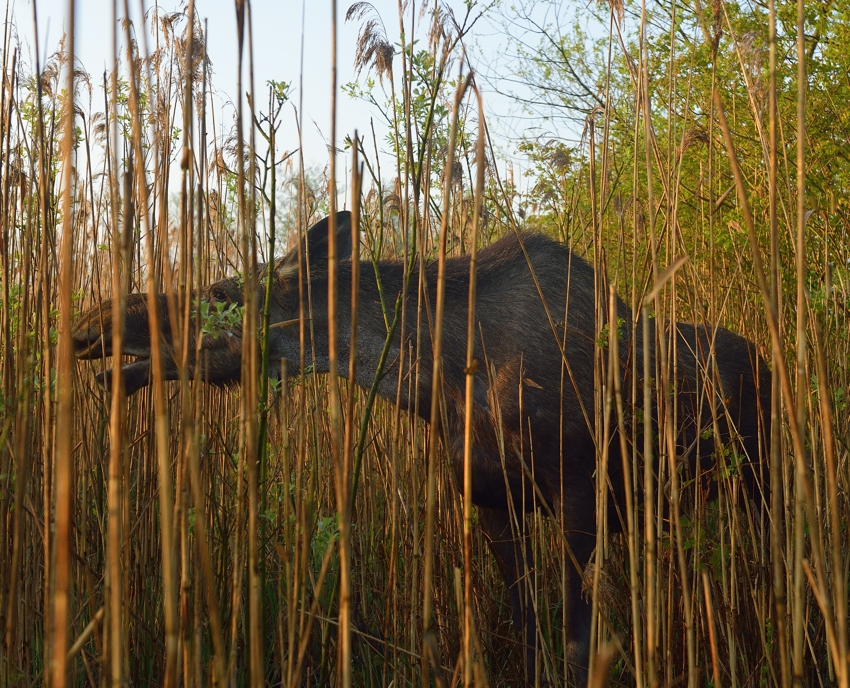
(406, 349)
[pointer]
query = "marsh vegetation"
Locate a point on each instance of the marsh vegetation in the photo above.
(297, 530)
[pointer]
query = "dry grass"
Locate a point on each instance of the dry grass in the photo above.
(200, 536)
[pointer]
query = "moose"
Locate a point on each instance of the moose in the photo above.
(534, 440)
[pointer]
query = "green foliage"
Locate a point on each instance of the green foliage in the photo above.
(602, 340)
(218, 318)
(430, 104)
(281, 91)
(569, 86)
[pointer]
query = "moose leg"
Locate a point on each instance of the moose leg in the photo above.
(513, 557)
(578, 609)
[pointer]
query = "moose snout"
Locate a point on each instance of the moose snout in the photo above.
(89, 345)
(104, 378)
(135, 375)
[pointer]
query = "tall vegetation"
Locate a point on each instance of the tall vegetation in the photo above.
(193, 535)
(711, 132)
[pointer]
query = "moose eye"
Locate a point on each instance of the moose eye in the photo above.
(218, 295)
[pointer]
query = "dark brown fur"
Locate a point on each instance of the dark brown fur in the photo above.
(520, 367)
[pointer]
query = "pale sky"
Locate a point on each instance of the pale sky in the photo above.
(277, 55)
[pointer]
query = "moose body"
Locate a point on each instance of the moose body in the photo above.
(533, 411)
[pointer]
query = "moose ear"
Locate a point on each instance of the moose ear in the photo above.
(317, 245)
(317, 239)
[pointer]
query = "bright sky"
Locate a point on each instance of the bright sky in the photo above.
(277, 55)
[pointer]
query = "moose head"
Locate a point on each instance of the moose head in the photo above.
(217, 333)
